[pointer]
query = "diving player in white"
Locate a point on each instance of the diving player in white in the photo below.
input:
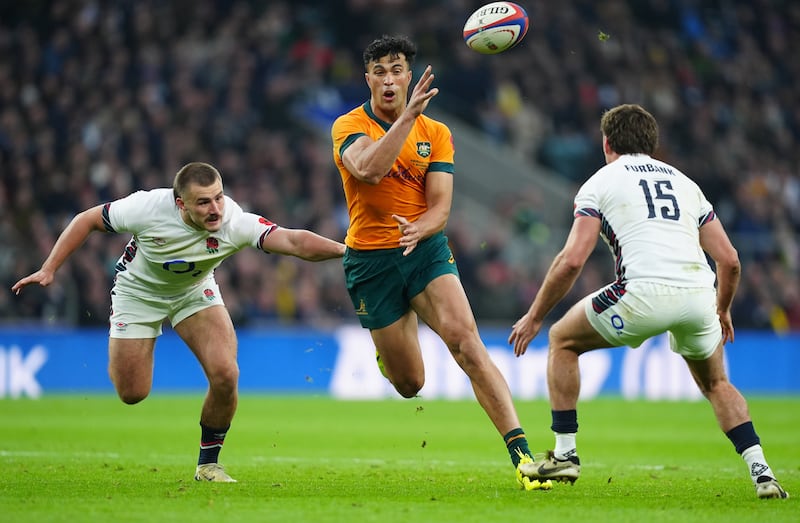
(658, 226)
(180, 235)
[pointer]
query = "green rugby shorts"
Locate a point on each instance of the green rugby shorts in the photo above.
(382, 282)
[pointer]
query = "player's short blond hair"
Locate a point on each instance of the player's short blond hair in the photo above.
(195, 173)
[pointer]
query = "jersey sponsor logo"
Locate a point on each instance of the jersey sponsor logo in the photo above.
(451, 260)
(212, 245)
(120, 326)
(182, 267)
(362, 308)
(404, 174)
(424, 149)
(209, 294)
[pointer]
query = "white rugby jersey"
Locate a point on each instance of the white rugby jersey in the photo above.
(651, 214)
(165, 256)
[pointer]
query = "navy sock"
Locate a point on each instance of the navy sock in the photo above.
(564, 421)
(516, 441)
(211, 441)
(743, 437)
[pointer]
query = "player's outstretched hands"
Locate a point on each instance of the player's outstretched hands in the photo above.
(422, 93)
(523, 332)
(410, 234)
(43, 278)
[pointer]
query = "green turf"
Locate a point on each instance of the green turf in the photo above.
(91, 458)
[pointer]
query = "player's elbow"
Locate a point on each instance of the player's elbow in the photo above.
(729, 262)
(571, 264)
(370, 177)
(366, 171)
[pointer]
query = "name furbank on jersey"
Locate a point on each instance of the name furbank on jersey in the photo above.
(341, 363)
(649, 168)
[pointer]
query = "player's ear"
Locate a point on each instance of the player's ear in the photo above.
(179, 203)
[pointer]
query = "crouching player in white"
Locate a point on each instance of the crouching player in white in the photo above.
(180, 235)
(657, 224)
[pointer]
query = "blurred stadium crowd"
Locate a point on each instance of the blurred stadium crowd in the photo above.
(99, 98)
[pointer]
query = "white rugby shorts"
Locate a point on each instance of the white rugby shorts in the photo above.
(647, 309)
(137, 316)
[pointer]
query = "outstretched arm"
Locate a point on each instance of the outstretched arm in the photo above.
(560, 278)
(304, 244)
(370, 160)
(68, 242)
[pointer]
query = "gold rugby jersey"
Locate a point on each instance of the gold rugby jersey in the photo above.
(428, 148)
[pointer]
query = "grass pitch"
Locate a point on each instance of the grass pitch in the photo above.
(91, 458)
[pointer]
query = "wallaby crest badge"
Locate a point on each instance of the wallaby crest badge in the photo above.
(424, 149)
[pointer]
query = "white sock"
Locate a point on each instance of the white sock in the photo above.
(565, 445)
(756, 462)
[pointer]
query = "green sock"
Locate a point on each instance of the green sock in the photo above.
(517, 444)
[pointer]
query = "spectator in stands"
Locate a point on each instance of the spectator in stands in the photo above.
(103, 97)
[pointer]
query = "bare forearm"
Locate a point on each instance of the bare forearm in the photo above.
(313, 247)
(432, 221)
(727, 284)
(559, 280)
(68, 242)
(377, 159)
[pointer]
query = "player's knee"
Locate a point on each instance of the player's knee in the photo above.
(132, 396)
(458, 335)
(474, 360)
(465, 345)
(560, 338)
(224, 378)
(410, 387)
(556, 338)
(130, 389)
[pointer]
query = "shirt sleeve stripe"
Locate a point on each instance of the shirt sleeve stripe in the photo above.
(444, 167)
(710, 217)
(348, 142)
(107, 219)
(587, 212)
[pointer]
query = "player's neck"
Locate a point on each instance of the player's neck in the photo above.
(387, 116)
(611, 157)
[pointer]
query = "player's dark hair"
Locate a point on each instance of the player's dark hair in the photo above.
(391, 46)
(197, 173)
(630, 129)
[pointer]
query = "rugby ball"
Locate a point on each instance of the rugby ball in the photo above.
(495, 27)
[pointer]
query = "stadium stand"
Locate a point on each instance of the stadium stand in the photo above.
(100, 98)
